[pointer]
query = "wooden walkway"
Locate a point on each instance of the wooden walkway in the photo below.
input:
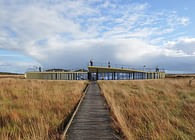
(92, 121)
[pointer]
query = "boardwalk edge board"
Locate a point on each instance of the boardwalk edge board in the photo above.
(92, 121)
(73, 114)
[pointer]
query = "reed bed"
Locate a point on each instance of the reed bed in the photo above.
(152, 109)
(34, 109)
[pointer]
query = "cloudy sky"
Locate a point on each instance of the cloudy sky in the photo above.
(68, 33)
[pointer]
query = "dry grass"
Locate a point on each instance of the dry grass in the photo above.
(12, 76)
(33, 109)
(180, 76)
(152, 109)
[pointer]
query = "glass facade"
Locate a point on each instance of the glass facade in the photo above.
(124, 76)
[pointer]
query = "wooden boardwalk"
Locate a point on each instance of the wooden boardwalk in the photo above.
(92, 121)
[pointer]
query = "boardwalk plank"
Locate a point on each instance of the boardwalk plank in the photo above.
(92, 121)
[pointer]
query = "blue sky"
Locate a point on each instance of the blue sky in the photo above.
(67, 34)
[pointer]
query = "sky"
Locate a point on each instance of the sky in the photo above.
(68, 33)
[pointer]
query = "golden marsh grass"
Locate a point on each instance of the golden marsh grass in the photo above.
(33, 109)
(12, 76)
(152, 109)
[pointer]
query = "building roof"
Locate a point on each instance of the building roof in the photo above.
(94, 69)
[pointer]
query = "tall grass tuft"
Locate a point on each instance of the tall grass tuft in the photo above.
(152, 109)
(34, 109)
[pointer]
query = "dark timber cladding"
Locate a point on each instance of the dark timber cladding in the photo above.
(92, 120)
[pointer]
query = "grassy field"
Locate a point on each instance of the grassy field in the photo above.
(152, 109)
(180, 76)
(12, 76)
(34, 109)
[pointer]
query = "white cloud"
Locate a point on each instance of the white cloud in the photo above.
(174, 19)
(16, 66)
(186, 45)
(67, 33)
(184, 21)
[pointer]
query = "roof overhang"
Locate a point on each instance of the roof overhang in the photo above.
(93, 69)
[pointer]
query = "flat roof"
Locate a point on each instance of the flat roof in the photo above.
(94, 69)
